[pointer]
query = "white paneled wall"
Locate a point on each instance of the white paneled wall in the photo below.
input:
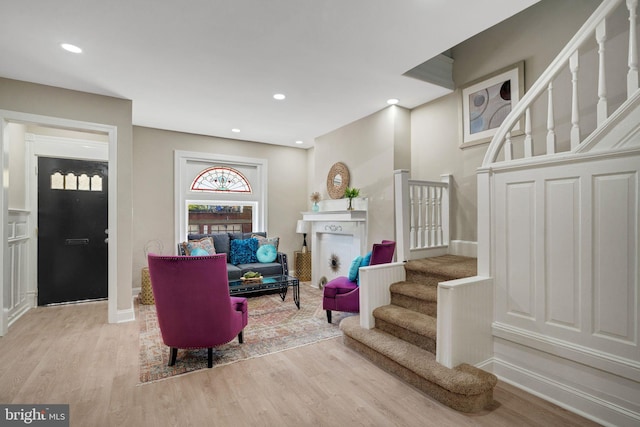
(465, 313)
(567, 254)
(566, 282)
(16, 302)
(374, 288)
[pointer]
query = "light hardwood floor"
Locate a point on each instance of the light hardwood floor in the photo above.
(68, 354)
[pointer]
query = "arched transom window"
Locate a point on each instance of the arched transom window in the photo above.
(221, 179)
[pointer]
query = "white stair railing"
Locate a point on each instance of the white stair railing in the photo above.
(595, 28)
(422, 216)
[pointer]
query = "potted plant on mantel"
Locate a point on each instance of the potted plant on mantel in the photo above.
(350, 193)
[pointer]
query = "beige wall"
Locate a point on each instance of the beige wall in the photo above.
(536, 35)
(153, 187)
(371, 148)
(56, 102)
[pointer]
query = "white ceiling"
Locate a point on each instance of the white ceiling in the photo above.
(207, 66)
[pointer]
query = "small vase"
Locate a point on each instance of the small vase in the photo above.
(315, 207)
(350, 207)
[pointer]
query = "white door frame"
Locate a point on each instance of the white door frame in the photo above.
(111, 132)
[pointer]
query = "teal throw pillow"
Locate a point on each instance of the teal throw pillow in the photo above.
(353, 269)
(366, 260)
(262, 240)
(199, 252)
(266, 253)
(243, 251)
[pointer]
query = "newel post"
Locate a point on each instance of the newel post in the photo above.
(401, 191)
(445, 206)
(484, 222)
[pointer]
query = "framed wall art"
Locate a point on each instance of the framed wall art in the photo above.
(487, 102)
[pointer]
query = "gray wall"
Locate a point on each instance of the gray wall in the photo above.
(372, 148)
(56, 102)
(536, 36)
(153, 187)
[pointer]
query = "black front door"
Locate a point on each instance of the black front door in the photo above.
(72, 230)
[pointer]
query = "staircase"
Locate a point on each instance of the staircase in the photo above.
(403, 341)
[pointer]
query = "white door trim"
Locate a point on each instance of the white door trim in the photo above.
(112, 135)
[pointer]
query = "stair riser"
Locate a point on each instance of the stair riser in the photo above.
(424, 342)
(425, 307)
(427, 279)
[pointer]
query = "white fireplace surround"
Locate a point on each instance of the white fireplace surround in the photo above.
(336, 232)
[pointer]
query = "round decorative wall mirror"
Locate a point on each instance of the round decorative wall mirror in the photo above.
(337, 180)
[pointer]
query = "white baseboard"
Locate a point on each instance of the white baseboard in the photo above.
(127, 315)
(463, 248)
(567, 393)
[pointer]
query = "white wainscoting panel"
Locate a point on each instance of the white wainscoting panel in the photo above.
(520, 218)
(465, 312)
(562, 236)
(566, 281)
(16, 302)
(374, 288)
(615, 199)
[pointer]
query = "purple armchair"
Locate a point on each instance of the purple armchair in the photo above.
(193, 303)
(341, 294)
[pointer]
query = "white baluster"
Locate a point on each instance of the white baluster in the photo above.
(436, 216)
(429, 219)
(414, 217)
(508, 147)
(601, 37)
(632, 75)
(420, 218)
(528, 141)
(575, 114)
(424, 215)
(438, 240)
(551, 134)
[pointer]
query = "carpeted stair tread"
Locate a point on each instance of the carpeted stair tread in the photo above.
(415, 290)
(462, 380)
(410, 320)
(447, 267)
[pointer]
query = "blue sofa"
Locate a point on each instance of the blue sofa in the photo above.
(222, 244)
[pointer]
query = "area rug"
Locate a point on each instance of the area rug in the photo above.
(274, 325)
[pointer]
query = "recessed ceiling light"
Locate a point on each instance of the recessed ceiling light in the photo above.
(392, 101)
(71, 48)
(279, 96)
(299, 142)
(236, 130)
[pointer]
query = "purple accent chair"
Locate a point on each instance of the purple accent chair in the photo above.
(193, 303)
(341, 294)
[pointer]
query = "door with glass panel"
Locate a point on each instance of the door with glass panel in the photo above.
(72, 230)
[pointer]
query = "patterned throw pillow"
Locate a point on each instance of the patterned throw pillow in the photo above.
(267, 240)
(243, 251)
(205, 243)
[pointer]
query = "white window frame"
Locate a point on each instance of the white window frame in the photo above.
(183, 196)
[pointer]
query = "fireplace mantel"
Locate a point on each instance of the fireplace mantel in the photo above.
(335, 216)
(339, 233)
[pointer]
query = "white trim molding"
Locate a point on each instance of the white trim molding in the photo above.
(111, 133)
(463, 248)
(258, 199)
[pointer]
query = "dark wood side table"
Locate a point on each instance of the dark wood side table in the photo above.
(303, 265)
